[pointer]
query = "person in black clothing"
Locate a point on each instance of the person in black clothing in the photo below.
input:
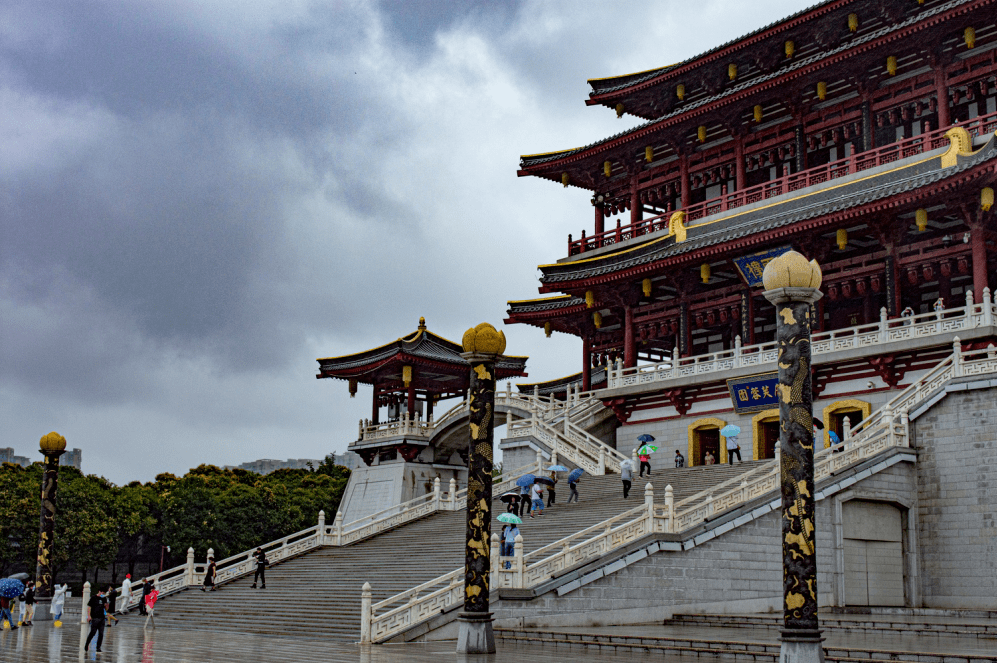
(29, 603)
(146, 588)
(96, 609)
(209, 576)
(261, 567)
(112, 597)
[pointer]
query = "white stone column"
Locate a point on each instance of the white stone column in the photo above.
(670, 505)
(321, 528)
(86, 599)
(189, 573)
(436, 494)
(520, 563)
(338, 526)
(365, 616)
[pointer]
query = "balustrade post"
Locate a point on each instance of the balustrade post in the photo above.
(675, 361)
(905, 422)
(519, 562)
(649, 504)
(602, 458)
(969, 307)
(566, 422)
(744, 491)
(360, 430)
(189, 572)
(988, 311)
(453, 494)
(495, 555)
(365, 614)
(634, 456)
(436, 494)
(846, 428)
(670, 507)
(540, 459)
(338, 526)
(536, 395)
(991, 351)
(86, 599)
(956, 357)
(321, 528)
(709, 505)
(888, 417)
(884, 334)
(737, 350)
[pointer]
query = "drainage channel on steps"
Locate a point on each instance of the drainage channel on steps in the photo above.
(760, 644)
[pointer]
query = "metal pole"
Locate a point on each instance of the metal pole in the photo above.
(52, 446)
(791, 284)
(482, 345)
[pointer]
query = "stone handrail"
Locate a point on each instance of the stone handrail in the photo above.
(885, 331)
(584, 450)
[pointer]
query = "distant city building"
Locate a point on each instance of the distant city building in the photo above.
(267, 465)
(7, 456)
(74, 458)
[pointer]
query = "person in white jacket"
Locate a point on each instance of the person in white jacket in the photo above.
(59, 601)
(126, 593)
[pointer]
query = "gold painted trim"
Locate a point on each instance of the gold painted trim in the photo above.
(538, 299)
(756, 429)
(706, 422)
(636, 73)
(734, 216)
(544, 154)
(845, 404)
(960, 145)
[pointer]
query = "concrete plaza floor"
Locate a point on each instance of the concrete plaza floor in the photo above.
(130, 643)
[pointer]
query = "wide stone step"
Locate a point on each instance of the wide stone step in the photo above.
(865, 624)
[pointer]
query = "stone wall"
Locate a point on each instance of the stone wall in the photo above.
(957, 478)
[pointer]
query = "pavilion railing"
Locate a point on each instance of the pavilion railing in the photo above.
(888, 427)
(855, 163)
(887, 330)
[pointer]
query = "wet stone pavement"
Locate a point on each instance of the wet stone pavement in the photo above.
(129, 642)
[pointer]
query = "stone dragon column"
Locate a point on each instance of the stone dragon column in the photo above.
(52, 446)
(791, 284)
(482, 346)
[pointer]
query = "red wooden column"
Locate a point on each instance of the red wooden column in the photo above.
(411, 399)
(980, 280)
(600, 219)
(374, 409)
(942, 92)
(636, 208)
(739, 162)
(629, 346)
(429, 406)
(684, 179)
(586, 363)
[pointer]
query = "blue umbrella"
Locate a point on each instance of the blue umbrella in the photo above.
(10, 588)
(557, 468)
(730, 430)
(575, 475)
(834, 437)
(645, 438)
(526, 480)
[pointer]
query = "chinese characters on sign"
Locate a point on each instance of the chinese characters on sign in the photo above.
(754, 392)
(751, 266)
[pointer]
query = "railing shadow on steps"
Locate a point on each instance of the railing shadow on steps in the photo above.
(886, 428)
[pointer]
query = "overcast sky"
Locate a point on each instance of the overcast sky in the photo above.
(199, 198)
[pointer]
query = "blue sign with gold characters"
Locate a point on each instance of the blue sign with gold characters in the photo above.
(751, 266)
(754, 392)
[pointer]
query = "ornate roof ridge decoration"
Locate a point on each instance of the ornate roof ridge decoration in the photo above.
(831, 200)
(545, 304)
(421, 345)
(602, 86)
(647, 127)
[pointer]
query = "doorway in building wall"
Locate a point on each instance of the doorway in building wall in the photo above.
(837, 422)
(873, 551)
(768, 430)
(707, 440)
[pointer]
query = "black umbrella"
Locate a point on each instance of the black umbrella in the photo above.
(545, 481)
(818, 423)
(508, 497)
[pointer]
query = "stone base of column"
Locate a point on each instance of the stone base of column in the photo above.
(43, 610)
(476, 636)
(800, 646)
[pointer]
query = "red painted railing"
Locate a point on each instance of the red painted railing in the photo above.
(855, 163)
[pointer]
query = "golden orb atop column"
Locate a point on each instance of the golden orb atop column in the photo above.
(484, 339)
(792, 270)
(52, 442)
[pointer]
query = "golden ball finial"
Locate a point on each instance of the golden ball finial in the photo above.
(792, 270)
(52, 442)
(422, 324)
(484, 339)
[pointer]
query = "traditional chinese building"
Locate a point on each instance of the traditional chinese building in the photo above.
(858, 132)
(403, 451)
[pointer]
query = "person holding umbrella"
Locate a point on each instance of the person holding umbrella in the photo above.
(573, 479)
(509, 534)
(512, 501)
(525, 482)
(537, 494)
(9, 589)
(553, 478)
(730, 431)
(644, 453)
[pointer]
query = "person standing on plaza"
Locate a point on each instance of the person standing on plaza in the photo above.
(126, 593)
(537, 495)
(733, 448)
(509, 534)
(525, 506)
(6, 614)
(146, 588)
(261, 567)
(28, 604)
(627, 475)
(209, 576)
(710, 459)
(112, 599)
(150, 607)
(59, 601)
(550, 489)
(679, 459)
(96, 609)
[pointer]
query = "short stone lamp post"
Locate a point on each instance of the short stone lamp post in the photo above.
(52, 446)
(482, 347)
(791, 284)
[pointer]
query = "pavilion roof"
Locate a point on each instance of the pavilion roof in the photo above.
(838, 198)
(437, 360)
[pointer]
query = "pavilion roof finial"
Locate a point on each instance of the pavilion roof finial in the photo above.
(422, 324)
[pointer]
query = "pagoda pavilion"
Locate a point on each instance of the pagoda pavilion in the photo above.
(402, 451)
(858, 132)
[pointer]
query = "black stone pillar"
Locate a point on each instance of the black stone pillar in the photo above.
(866, 126)
(683, 330)
(791, 285)
(482, 345)
(52, 446)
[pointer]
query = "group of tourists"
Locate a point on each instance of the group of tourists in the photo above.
(531, 497)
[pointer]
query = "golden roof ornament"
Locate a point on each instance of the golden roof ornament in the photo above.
(792, 270)
(422, 324)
